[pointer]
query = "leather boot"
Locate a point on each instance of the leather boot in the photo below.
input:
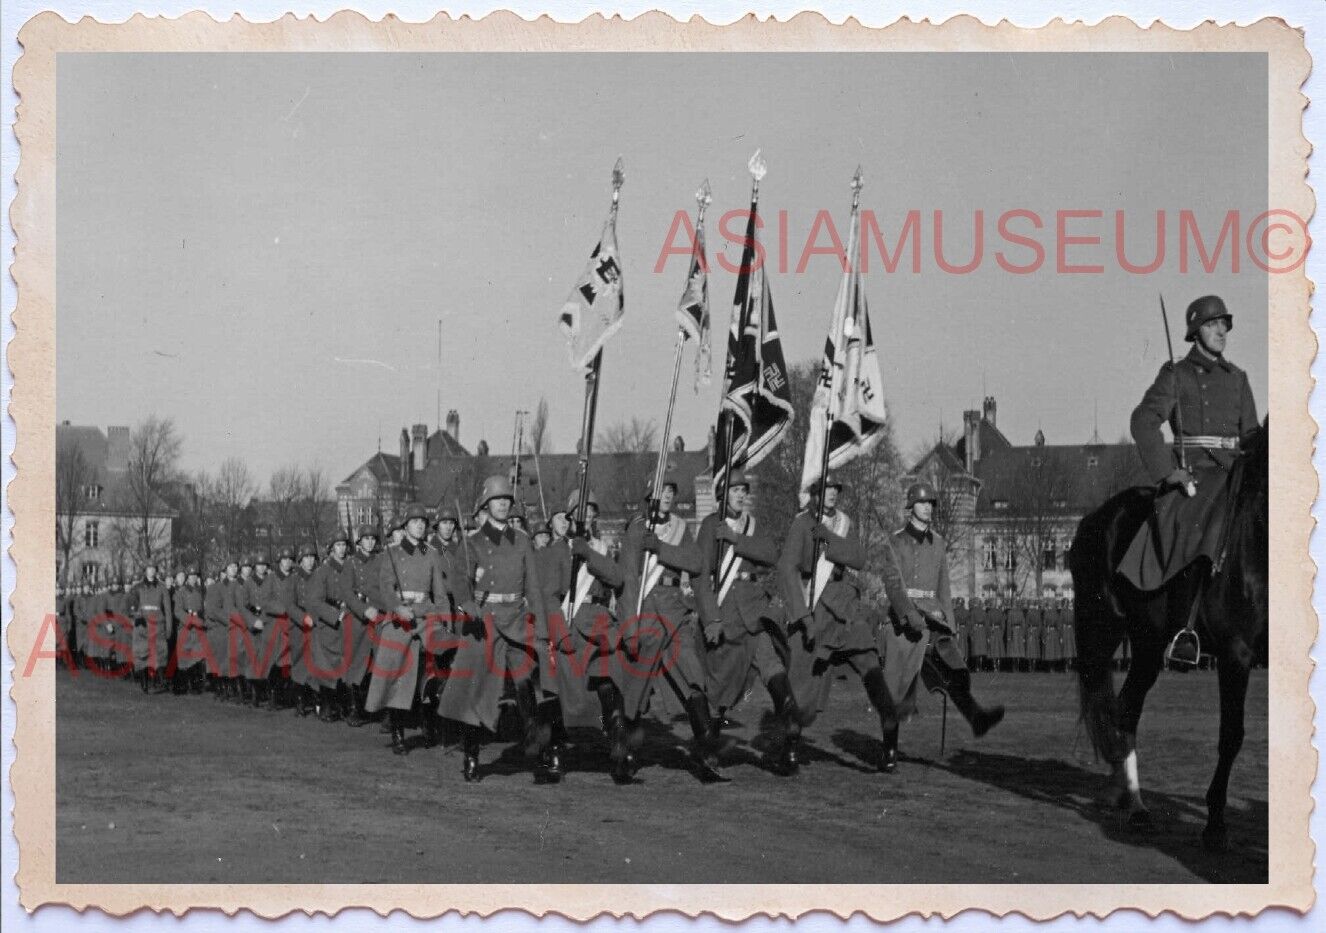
(327, 705)
(397, 732)
(614, 724)
(470, 765)
(785, 709)
(982, 720)
(703, 753)
(550, 715)
(356, 717)
(537, 734)
(878, 693)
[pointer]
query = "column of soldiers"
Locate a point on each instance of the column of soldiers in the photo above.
(1017, 634)
(445, 627)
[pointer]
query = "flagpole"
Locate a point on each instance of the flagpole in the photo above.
(703, 198)
(592, 387)
(858, 182)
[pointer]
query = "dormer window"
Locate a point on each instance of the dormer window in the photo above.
(92, 491)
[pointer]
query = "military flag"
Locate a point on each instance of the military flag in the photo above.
(593, 311)
(693, 309)
(847, 414)
(756, 410)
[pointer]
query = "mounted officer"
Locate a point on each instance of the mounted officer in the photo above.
(1208, 404)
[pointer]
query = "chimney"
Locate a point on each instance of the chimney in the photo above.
(482, 449)
(420, 447)
(678, 444)
(989, 411)
(405, 456)
(117, 448)
(971, 437)
(453, 425)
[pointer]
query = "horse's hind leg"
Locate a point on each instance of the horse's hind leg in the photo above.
(1235, 661)
(1148, 649)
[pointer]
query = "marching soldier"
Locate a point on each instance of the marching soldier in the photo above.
(329, 660)
(149, 607)
(216, 613)
(584, 635)
(507, 592)
(660, 644)
(301, 646)
(827, 625)
(191, 647)
(927, 653)
(364, 600)
(1210, 409)
(410, 580)
(735, 589)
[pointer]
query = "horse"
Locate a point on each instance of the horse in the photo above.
(1232, 611)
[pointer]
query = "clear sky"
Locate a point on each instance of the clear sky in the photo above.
(260, 246)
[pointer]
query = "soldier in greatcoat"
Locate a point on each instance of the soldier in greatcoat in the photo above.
(256, 639)
(1051, 637)
(506, 646)
(994, 631)
(411, 582)
(979, 658)
(744, 635)
(192, 651)
(329, 659)
(1033, 635)
(367, 606)
(928, 655)
(302, 612)
(216, 613)
(660, 644)
(1069, 633)
(1015, 636)
(149, 607)
(827, 622)
(111, 623)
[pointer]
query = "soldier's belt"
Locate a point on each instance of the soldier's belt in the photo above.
(920, 594)
(1209, 441)
(149, 608)
(598, 600)
(412, 596)
(504, 599)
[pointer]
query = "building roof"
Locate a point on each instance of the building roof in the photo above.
(105, 492)
(991, 440)
(1067, 479)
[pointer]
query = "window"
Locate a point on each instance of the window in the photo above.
(91, 533)
(1000, 504)
(92, 491)
(988, 554)
(1048, 556)
(1011, 555)
(91, 572)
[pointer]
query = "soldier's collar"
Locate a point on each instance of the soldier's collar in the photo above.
(918, 534)
(409, 547)
(1198, 358)
(495, 534)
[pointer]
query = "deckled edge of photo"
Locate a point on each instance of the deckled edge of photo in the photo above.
(32, 358)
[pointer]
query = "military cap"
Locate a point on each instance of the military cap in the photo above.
(307, 550)
(261, 558)
(193, 571)
(1205, 309)
(342, 534)
(668, 480)
(412, 511)
(495, 487)
(447, 513)
(246, 560)
(920, 492)
(828, 482)
(543, 528)
(573, 500)
(285, 553)
(365, 531)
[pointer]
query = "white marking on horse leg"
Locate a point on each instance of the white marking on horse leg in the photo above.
(1132, 783)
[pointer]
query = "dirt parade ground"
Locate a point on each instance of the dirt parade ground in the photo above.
(166, 789)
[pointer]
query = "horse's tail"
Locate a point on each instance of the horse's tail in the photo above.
(1098, 622)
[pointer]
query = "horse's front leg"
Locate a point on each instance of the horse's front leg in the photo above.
(1235, 661)
(1148, 656)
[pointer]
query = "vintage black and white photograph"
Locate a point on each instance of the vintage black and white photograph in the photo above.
(671, 467)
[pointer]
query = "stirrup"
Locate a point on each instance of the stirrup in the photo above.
(1184, 649)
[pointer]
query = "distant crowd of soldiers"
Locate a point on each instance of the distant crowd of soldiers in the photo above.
(1017, 634)
(451, 623)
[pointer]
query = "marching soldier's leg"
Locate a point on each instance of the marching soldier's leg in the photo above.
(943, 668)
(866, 664)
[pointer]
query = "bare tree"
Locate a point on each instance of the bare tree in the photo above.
(73, 474)
(154, 451)
(284, 489)
(230, 494)
(628, 437)
(539, 441)
(195, 536)
(633, 447)
(316, 506)
(1037, 519)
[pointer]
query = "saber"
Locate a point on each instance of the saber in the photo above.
(1190, 487)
